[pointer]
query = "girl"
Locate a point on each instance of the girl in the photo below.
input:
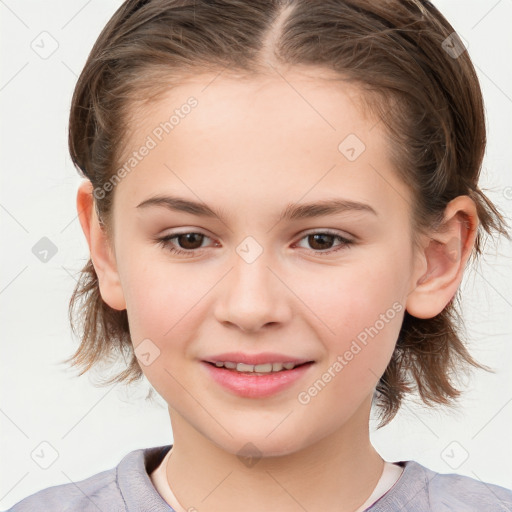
(324, 157)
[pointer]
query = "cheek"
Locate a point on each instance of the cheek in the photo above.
(354, 296)
(166, 305)
(361, 309)
(161, 296)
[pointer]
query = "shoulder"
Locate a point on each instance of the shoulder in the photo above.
(99, 491)
(420, 489)
(114, 489)
(457, 492)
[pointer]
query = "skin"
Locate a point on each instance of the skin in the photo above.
(249, 149)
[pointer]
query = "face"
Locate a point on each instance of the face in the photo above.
(264, 280)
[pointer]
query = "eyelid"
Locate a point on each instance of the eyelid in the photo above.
(300, 236)
(186, 231)
(346, 241)
(328, 231)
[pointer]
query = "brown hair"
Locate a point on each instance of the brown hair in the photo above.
(403, 54)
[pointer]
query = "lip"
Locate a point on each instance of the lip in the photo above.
(251, 385)
(261, 358)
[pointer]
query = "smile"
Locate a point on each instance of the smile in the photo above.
(255, 368)
(261, 380)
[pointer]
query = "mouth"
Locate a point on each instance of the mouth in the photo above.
(256, 376)
(263, 369)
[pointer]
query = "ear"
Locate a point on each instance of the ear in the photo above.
(441, 262)
(102, 254)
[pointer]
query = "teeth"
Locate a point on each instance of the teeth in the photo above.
(242, 367)
(258, 368)
(263, 368)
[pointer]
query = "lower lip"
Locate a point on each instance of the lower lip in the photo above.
(252, 385)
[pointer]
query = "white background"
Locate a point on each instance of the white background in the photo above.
(93, 428)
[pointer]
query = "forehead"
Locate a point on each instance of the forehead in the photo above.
(308, 95)
(267, 139)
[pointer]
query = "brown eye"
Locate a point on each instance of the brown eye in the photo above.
(321, 241)
(184, 244)
(190, 241)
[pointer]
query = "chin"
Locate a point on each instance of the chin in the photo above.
(259, 445)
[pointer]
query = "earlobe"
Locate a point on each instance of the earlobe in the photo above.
(101, 252)
(444, 255)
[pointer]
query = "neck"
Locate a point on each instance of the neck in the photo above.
(342, 469)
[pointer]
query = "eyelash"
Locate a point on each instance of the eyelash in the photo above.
(165, 242)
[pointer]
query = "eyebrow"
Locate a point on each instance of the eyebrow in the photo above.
(293, 211)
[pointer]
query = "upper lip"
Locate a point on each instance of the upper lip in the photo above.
(262, 358)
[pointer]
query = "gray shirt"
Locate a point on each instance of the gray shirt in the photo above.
(128, 488)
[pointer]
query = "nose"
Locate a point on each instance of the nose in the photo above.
(253, 296)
